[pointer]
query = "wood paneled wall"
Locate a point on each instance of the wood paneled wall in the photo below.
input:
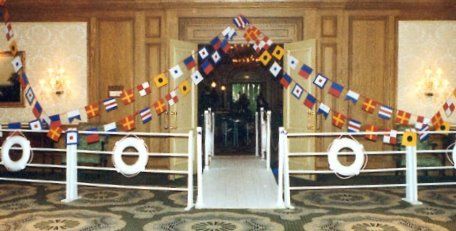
(128, 40)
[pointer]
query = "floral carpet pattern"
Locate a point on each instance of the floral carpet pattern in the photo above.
(38, 207)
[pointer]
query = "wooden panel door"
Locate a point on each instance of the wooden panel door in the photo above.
(297, 117)
(182, 116)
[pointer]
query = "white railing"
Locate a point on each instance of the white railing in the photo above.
(209, 135)
(263, 135)
(411, 170)
(71, 151)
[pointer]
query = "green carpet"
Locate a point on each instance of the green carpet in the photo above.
(38, 207)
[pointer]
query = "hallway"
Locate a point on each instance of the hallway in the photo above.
(239, 182)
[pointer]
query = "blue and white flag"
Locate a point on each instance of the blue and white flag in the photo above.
(111, 127)
(385, 112)
(229, 33)
(241, 21)
(354, 126)
(146, 115)
(35, 125)
(352, 96)
(30, 96)
(110, 104)
(72, 136)
(423, 132)
(275, 69)
(320, 81)
(216, 57)
(324, 110)
(73, 115)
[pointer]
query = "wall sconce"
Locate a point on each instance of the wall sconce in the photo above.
(56, 81)
(433, 84)
(213, 84)
(223, 88)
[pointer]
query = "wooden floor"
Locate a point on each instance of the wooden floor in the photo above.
(239, 182)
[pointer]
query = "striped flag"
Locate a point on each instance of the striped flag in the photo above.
(354, 126)
(305, 71)
(335, 89)
(229, 33)
(110, 104)
(422, 132)
(241, 21)
(285, 80)
(55, 120)
(111, 127)
(385, 112)
(146, 115)
(324, 110)
(310, 101)
(352, 96)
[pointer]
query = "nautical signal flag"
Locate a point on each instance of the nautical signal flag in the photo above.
(335, 89)
(203, 53)
(354, 125)
(297, 91)
(267, 42)
(278, 52)
(17, 63)
(385, 112)
(190, 62)
(305, 71)
(110, 104)
(161, 80)
(146, 115)
(275, 69)
(54, 133)
(160, 106)
(225, 46)
(265, 57)
(402, 117)
(252, 33)
(444, 127)
(338, 119)
(320, 81)
(369, 105)
(437, 120)
(324, 110)
(73, 115)
(55, 120)
(176, 72)
(37, 110)
(285, 80)
(207, 67)
(371, 128)
(216, 57)
(127, 96)
(16, 125)
(423, 132)
(197, 77)
(409, 138)
(229, 33)
(45, 121)
(30, 96)
(258, 46)
(293, 62)
(128, 123)
(241, 22)
(92, 137)
(72, 136)
(144, 88)
(24, 81)
(421, 121)
(35, 125)
(449, 107)
(390, 138)
(216, 43)
(184, 87)
(310, 101)
(352, 96)
(172, 98)
(92, 110)
(9, 31)
(111, 127)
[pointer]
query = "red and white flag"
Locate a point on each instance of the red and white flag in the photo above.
(390, 138)
(172, 98)
(144, 89)
(449, 107)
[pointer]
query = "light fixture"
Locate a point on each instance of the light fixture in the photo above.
(223, 88)
(56, 81)
(213, 84)
(432, 84)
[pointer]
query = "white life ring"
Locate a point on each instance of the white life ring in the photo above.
(140, 164)
(333, 153)
(454, 155)
(20, 164)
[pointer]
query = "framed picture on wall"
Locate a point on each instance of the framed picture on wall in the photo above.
(11, 94)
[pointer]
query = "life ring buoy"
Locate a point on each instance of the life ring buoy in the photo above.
(333, 153)
(18, 165)
(139, 165)
(454, 155)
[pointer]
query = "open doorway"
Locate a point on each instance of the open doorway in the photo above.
(235, 90)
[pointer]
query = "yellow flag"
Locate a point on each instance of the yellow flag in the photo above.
(265, 58)
(409, 138)
(444, 127)
(184, 87)
(278, 52)
(160, 80)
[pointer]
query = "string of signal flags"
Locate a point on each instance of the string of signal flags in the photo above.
(263, 45)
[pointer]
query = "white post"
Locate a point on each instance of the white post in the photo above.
(212, 133)
(286, 173)
(411, 180)
(191, 149)
(263, 133)
(207, 140)
(71, 166)
(268, 140)
(199, 158)
(256, 135)
(282, 137)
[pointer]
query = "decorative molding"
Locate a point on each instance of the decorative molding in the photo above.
(328, 26)
(279, 29)
(153, 27)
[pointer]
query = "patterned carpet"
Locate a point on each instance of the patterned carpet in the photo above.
(38, 207)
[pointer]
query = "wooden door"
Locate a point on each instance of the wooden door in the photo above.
(297, 117)
(182, 116)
